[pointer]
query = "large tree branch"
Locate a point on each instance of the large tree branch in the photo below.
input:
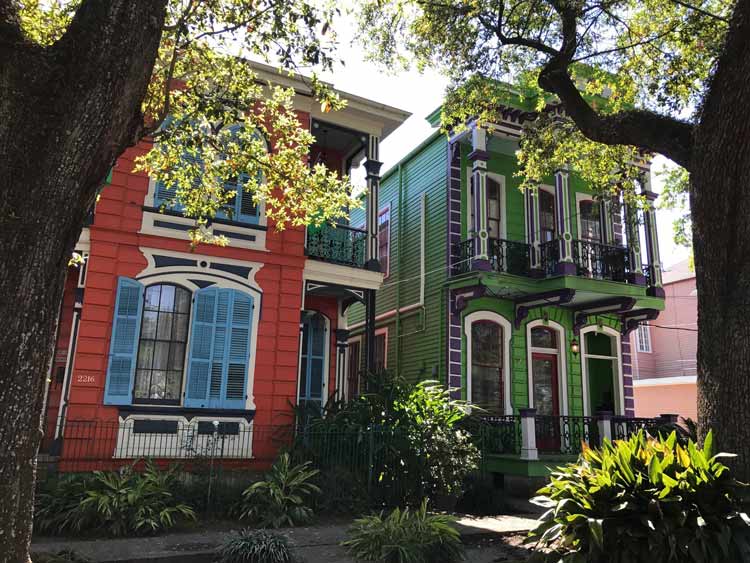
(10, 25)
(644, 129)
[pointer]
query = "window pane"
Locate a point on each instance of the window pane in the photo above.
(590, 226)
(182, 301)
(164, 331)
(181, 323)
(151, 302)
(543, 337)
(599, 344)
(158, 384)
(148, 330)
(161, 355)
(166, 303)
(174, 382)
(145, 354)
(142, 381)
(543, 376)
(176, 356)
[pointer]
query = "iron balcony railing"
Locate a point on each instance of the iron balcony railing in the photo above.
(549, 256)
(338, 244)
(505, 256)
(565, 434)
(601, 261)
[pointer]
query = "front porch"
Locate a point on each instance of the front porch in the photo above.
(530, 445)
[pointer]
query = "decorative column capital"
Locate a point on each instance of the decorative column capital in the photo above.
(372, 168)
(479, 155)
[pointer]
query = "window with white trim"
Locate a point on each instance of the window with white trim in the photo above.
(487, 366)
(151, 353)
(643, 336)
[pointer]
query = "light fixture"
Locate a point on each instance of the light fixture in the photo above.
(574, 346)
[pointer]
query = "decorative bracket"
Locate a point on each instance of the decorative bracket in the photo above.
(632, 319)
(528, 302)
(466, 295)
(615, 305)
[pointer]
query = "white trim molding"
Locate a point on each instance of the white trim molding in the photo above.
(664, 381)
(616, 358)
(336, 274)
(562, 363)
(507, 327)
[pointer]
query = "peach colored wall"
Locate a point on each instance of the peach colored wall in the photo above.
(653, 400)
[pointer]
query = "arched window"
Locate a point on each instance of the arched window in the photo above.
(487, 365)
(162, 342)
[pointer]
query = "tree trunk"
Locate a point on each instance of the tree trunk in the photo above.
(66, 113)
(720, 203)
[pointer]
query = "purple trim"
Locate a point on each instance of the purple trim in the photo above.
(456, 206)
(627, 370)
(455, 332)
(629, 406)
(654, 291)
(527, 413)
(478, 155)
(625, 347)
(455, 357)
(566, 268)
(637, 279)
(481, 265)
(536, 272)
(628, 392)
(560, 206)
(627, 380)
(626, 359)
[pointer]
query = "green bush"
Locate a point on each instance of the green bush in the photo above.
(256, 546)
(118, 503)
(410, 435)
(284, 498)
(644, 499)
(405, 536)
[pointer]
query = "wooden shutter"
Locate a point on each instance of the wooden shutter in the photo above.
(219, 349)
(123, 348)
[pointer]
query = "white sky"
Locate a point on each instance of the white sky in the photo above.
(420, 94)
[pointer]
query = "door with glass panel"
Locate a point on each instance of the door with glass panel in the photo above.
(312, 361)
(545, 386)
(487, 366)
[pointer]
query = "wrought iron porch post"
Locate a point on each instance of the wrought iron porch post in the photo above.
(479, 157)
(372, 167)
(563, 221)
(652, 239)
(634, 246)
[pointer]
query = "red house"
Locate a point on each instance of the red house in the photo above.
(160, 349)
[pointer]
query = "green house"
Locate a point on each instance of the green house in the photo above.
(516, 299)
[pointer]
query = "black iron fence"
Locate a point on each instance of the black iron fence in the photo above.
(500, 434)
(463, 252)
(565, 434)
(339, 244)
(505, 256)
(600, 261)
(549, 256)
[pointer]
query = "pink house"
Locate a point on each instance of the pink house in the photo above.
(664, 365)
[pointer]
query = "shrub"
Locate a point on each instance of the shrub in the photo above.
(404, 536)
(283, 498)
(644, 499)
(410, 433)
(256, 546)
(64, 556)
(118, 503)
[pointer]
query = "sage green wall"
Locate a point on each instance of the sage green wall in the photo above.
(421, 345)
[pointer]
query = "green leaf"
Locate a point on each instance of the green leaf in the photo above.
(597, 532)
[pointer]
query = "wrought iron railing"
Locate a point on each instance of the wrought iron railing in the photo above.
(564, 434)
(600, 261)
(463, 252)
(501, 434)
(549, 256)
(622, 427)
(510, 256)
(648, 274)
(339, 244)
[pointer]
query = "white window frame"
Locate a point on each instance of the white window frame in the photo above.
(646, 330)
(562, 364)
(500, 179)
(617, 358)
(507, 328)
(378, 332)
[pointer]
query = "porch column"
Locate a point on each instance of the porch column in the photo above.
(528, 434)
(652, 239)
(372, 168)
(370, 330)
(531, 204)
(478, 158)
(634, 245)
(605, 221)
(563, 221)
(604, 424)
(342, 337)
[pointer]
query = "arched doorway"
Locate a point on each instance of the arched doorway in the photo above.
(602, 373)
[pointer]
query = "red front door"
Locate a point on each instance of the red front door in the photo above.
(546, 400)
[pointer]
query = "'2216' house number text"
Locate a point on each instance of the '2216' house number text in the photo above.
(85, 379)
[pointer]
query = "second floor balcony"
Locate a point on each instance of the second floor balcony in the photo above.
(337, 244)
(590, 259)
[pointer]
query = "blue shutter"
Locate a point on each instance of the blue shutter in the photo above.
(164, 195)
(238, 352)
(123, 348)
(201, 347)
(219, 349)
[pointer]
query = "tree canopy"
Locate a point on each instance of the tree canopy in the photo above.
(212, 119)
(630, 74)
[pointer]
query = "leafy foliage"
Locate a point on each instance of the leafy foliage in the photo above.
(121, 503)
(256, 546)
(676, 197)
(202, 87)
(644, 499)
(418, 447)
(405, 536)
(284, 498)
(64, 556)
